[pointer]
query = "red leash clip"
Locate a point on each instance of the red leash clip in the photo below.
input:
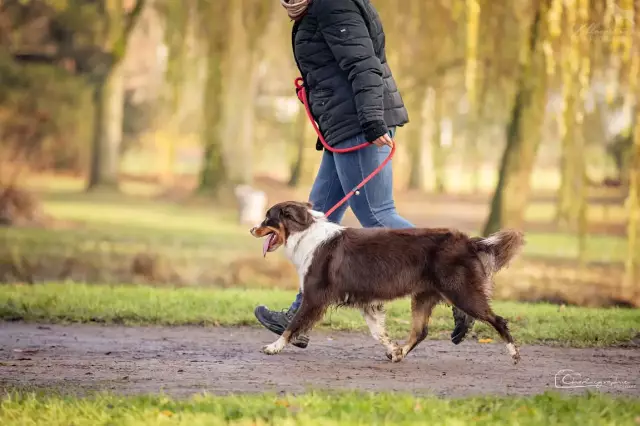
(302, 95)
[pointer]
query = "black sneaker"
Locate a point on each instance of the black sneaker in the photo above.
(463, 323)
(277, 323)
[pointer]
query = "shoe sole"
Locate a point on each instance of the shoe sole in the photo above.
(300, 342)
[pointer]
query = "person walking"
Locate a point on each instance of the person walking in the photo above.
(339, 48)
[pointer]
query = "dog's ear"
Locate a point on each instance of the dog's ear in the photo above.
(298, 214)
(309, 205)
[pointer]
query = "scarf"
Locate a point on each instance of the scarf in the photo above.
(295, 8)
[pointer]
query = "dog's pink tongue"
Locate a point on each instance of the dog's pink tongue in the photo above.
(266, 244)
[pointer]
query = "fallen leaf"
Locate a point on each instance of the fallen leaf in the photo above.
(166, 413)
(282, 403)
(485, 340)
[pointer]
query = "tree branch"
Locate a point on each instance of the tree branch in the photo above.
(120, 45)
(132, 18)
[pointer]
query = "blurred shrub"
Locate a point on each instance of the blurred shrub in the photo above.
(45, 116)
(19, 207)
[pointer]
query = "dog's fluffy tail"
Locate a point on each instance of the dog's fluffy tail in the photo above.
(497, 250)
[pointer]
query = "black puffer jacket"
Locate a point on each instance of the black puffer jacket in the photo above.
(339, 46)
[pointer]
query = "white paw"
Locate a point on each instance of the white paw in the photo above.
(514, 352)
(271, 349)
(274, 348)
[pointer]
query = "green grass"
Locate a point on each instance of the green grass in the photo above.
(153, 222)
(145, 219)
(599, 248)
(138, 305)
(318, 409)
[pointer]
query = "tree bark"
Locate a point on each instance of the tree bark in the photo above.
(108, 96)
(213, 172)
(631, 59)
(108, 101)
(512, 190)
(415, 143)
(474, 157)
(240, 72)
(438, 154)
(567, 207)
(632, 261)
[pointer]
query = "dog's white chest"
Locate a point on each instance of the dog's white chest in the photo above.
(301, 247)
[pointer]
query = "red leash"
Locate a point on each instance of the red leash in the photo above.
(302, 95)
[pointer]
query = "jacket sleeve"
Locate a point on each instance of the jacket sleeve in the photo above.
(345, 32)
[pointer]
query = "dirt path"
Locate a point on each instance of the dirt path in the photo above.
(185, 360)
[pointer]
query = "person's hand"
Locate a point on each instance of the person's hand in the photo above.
(384, 140)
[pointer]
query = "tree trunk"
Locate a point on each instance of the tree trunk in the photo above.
(213, 173)
(512, 190)
(298, 136)
(474, 158)
(416, 146)
(438, 153)
(108, 96)
(239, 92)
(567, 208)
(580, 204)
(632, 262)
(415, 143)
(108, 104)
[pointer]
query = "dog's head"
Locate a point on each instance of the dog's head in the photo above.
(283, 220)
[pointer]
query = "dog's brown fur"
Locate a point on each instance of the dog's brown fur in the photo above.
(363, 268)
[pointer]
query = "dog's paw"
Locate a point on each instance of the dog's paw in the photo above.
(395, 355)
(514, 352)
(272, 349)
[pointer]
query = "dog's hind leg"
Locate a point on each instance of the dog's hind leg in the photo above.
(375, 317)
(303, 321)
(474, 302)
(422, 305)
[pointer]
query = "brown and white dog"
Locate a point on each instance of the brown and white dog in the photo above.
(364, 268)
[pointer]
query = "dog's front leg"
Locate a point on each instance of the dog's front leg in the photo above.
(302, 321)
(277, 346)
(375, 317)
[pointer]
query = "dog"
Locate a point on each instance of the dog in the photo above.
(365, 267)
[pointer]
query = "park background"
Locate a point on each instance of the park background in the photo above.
(126, 124)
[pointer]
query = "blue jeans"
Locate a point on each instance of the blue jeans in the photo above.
(340, 173)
